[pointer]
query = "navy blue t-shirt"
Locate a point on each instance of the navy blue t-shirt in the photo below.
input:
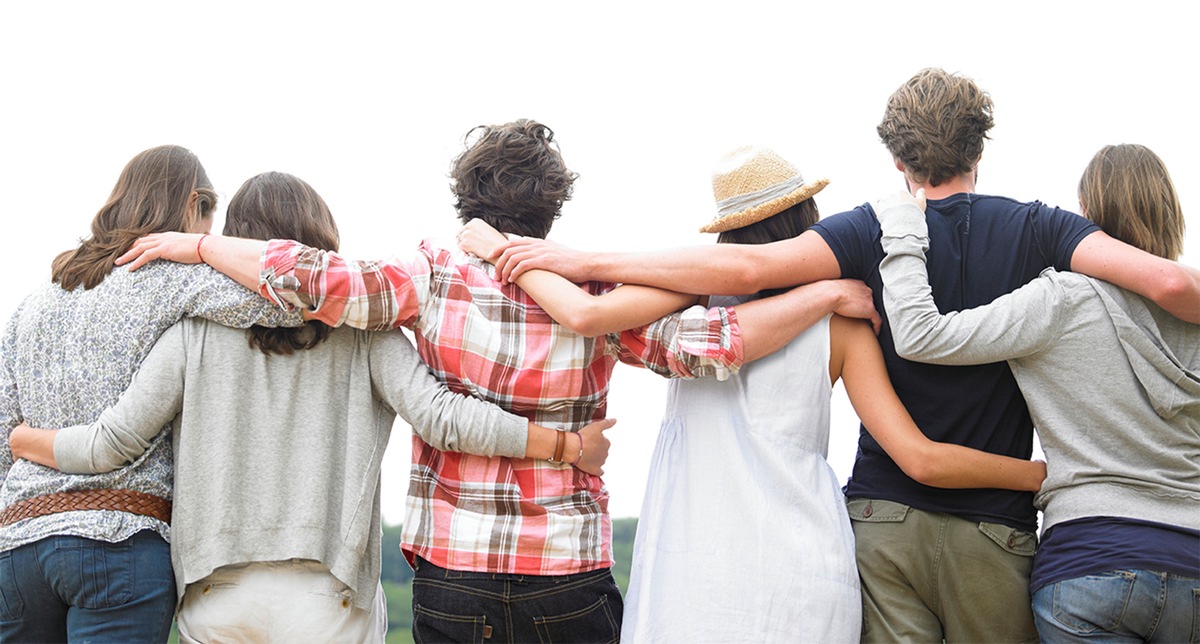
(1098, 544)
(980, 248)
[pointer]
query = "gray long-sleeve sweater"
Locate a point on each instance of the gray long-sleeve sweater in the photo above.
(1112, 381)
(278, 457)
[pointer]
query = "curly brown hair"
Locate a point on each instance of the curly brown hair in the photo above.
(935, 125)
(513, 177)
(1128, 192)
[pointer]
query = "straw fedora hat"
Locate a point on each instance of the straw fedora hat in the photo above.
(753, 183)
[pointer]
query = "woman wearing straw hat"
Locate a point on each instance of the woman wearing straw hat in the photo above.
(744, 534)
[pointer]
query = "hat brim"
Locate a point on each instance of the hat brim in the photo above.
(766, 209)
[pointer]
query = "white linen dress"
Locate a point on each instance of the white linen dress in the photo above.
(743, 535)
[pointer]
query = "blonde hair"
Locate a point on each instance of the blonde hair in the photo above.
(1128, 192)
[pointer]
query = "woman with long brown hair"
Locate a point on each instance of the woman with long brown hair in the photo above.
(86, 557)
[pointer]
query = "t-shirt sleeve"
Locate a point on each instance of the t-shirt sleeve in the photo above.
(1057, 233)
(853, 236)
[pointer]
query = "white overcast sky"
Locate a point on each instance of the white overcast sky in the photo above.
(369, 102)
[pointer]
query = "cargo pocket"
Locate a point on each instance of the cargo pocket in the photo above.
(876, 510)
(1012, 540)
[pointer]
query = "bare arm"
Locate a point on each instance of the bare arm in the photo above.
(626, 307)
(723, 269)
(771, 323)
(1169, 284)
(35, 445)
(855, 356)
(237, 258)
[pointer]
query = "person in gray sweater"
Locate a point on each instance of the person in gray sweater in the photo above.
(276, 529)
(1113, 386)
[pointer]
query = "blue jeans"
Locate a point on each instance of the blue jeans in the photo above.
(66, 588)
(457, 606)
(1119, 606)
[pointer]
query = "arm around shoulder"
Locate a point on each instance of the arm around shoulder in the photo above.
(1173, 286)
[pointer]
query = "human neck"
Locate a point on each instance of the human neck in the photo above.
(962, 183)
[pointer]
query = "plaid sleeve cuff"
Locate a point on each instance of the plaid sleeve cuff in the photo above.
(276, 278)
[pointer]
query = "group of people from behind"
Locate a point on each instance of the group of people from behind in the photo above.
(250, 437)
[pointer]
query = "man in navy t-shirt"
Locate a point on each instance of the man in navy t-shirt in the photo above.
(934, 563)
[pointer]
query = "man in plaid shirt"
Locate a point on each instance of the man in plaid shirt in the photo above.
(512, 548)
(520, 518)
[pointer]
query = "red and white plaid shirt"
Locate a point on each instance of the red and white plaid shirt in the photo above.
(502, 515)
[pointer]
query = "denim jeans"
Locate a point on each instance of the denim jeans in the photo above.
(1119, 606)
(456, 606)
(66, 588)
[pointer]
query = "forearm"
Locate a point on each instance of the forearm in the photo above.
(100, 447)
(722, 269)
(769, 324)
(955, 466)
(36, 445)
(240, 259)
(1169, 284)
(625, 307)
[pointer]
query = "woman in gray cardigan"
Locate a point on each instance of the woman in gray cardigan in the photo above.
(1113, 385)
(281, 433)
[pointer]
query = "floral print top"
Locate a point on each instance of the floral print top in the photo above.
(67, 355)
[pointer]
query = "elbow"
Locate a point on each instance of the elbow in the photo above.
(906, 345)
(1178, 291)
(585, 320)
(748, 277)
(924, 468)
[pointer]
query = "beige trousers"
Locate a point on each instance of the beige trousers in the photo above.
(277, 601)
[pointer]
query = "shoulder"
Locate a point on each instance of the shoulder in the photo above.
(858, 221)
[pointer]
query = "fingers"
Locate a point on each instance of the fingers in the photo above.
(135, 252)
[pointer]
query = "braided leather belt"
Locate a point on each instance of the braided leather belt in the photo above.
(119, 500)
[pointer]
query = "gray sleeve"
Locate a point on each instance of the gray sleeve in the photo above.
(446, 420)
(1014, 325)
(123, 432)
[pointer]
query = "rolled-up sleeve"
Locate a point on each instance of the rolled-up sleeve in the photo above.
(370, 295)
(693, 343)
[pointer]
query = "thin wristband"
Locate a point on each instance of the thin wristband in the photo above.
(580, 459)
(198, 242)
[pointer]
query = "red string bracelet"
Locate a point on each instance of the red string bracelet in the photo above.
(198, 242)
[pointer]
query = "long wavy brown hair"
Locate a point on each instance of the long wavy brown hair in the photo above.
(277, 205)
(154, 194)
(513, 177)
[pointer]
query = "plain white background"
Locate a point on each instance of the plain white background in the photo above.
(369, 102)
